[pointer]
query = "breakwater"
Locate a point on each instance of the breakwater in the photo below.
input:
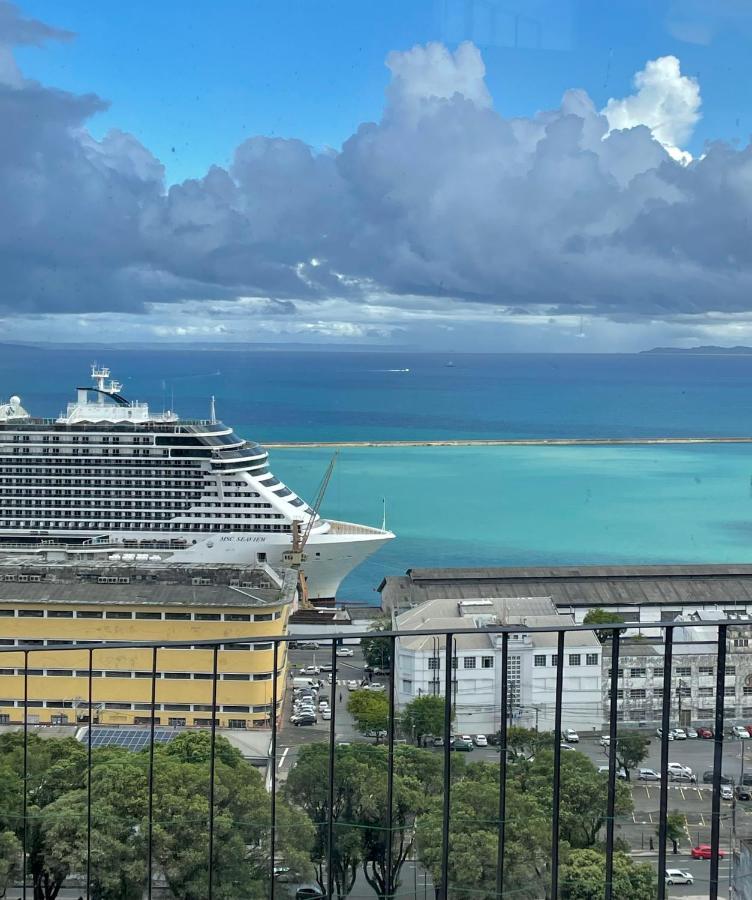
(512, 442)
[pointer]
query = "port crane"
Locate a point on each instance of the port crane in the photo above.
(300, 536)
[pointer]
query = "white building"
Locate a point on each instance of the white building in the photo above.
(476, 683)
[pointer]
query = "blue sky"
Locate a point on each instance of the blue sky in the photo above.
(192, 80)
(449, 174)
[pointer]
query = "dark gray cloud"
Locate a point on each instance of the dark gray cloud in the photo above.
(443, 197)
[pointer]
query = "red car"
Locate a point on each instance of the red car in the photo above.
(749, 729)
(705, 732)
(702, 851)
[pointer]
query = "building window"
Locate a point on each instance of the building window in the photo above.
(539, 659)
(637, 673)
(262, 617)
(207, 617)
(407, 686)
(684, 670)
(486, 662)
(729, 691)
(469, 662)
(59, 614)
(31, 613)
(705, 692)
(731, 670)
(574, 659)
(178, 722)
(591, 659)
(621, 673)
(705, 670)
(658, 693)
(234, 723)
(433, 662)
(119, 615)
(88, 614)
(237, 617)
(637, 694)
(148, 615)
(555, 660)
(175, 616)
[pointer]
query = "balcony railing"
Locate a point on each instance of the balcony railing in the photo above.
(438, 835)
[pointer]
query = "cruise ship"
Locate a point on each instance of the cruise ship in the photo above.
(111, 477)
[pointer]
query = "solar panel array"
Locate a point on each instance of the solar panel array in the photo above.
(130, 738)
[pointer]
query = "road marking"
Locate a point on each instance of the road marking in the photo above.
(282, 758)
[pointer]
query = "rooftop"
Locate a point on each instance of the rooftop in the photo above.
(166, 584)
(575, 585)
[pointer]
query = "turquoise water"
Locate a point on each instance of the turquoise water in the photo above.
(469, 506)
(536, 505)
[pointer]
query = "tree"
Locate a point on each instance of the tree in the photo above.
(675, 828)
(370, 709)
(582, 877)
(423, 716)
(377, 651)
(524, 743)
(10, 860)
(360, 809)
(631, 750)
(583, 795)
(600, 616)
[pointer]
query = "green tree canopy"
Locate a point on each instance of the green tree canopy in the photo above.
(599, 616)
(377, 651)
(676, 828)
(370, 709)
(423, 716)
(631, 749)
(10, 860)
(582, 877)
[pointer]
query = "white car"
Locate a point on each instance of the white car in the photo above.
(679, 734)
(648, 775)
(323, 704)
(480, 740)
(679, 876)
(326, 714)
(344, 651)
(675, 768)
(571, 736)
(620, 773)
(352, 685)
(739, 731)
(727, 792)
(566, 746)
(605, 741)
(669, 735)
(311, 670)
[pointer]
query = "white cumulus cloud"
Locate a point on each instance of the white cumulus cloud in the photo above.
(666, 101)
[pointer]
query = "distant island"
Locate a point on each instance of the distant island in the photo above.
(702, 351)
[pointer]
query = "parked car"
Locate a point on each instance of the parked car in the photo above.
(749, 728)
(677, 768)
(670, 735)
(461, 743)
(704, 732)
(326, 714)
(304, 719)
(746, 778)
(571, 736)
(566, 746)
(648, 775)
(326, 667)
(742, 792)
(691, 733)
(620, 773)
(704, 851)
(344, 651)
(307, 645)
(438, 742)
(323, 704)
(679, 876)
(605, 741)
(739, 731)
(707, 777)
(727, 792)
(311, 670)
(352, 685)
(310, 892)
(679, 734)
(480, 740)
(683, 777)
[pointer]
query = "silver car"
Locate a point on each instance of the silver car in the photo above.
(679, 876)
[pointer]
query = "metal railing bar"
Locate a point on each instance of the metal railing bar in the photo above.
(212, 766)
(611, 801)
(448, 660)
(503, 759)
(26, 768)
(359, 635)
(390, 773)
(88, 775)
(557, 766)
(273, 779)
(720, 700)
(150, 836)
(668, 648)
(330, 794)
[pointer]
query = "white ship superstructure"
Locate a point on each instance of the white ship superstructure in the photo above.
(111, 477)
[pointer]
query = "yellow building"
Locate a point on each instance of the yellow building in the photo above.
(45, 604)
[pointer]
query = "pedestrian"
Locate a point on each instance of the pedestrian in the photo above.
(370, 676)
(340, 696)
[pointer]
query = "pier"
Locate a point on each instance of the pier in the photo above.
(511, 442)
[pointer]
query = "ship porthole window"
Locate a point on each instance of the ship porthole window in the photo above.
(209, 544)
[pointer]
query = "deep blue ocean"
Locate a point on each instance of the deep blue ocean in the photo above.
(469, 505)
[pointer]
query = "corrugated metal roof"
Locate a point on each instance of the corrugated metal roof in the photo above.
(581, 585)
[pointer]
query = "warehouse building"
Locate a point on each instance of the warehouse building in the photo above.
(50, 604)
(477, 664)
